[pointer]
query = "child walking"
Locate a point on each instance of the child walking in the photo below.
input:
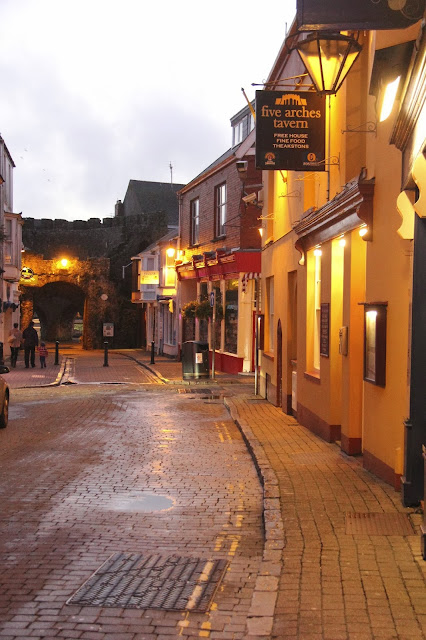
(43, 353)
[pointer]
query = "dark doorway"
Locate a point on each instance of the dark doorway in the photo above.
(57, 305)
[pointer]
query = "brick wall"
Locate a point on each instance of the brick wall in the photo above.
(241, 230)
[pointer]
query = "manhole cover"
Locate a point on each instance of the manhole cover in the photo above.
(379, 524)
(133, 581)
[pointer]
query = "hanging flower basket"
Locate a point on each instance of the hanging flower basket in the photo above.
(201, 310)
(188, 310)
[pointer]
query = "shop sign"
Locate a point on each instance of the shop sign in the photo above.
(150, 277)
(312, 15)
(108, 330)
(290, 131)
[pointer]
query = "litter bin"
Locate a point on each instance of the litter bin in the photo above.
(195, 360)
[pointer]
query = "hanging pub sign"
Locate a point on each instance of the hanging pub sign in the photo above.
(290, 131)
(314, 15)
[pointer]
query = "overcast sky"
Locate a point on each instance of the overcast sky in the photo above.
(95, 92)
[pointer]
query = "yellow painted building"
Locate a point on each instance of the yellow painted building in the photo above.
(337, 260)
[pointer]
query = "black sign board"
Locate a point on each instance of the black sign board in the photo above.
(290, 131)
(313, 15)
(325, 330)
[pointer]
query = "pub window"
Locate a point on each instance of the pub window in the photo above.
(195, 221)
(231, 315)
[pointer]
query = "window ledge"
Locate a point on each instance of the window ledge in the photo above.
(269, 354)
(313, 376)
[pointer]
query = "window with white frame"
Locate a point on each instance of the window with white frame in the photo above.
(8, 242)
(169, 332)
(237, 133)
(220, 214)
(195, 221)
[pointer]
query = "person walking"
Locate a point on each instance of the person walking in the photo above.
(15, 341)
(43, 353)
(30, 337)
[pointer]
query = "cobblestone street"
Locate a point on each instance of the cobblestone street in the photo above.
(89, 471)
(114, 470)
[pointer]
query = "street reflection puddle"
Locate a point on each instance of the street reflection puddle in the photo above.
(141, 502)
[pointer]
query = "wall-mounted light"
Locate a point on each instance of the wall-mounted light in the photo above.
(260, 230)
(328, 58)
(63, 263)
(389, 96)
(317, 252)
(363, 231)
(170, 252)
(342, 241)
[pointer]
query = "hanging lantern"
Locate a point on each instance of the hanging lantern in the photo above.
(328, 57)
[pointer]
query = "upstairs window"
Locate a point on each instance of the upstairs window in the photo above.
(237, 133)
(195, 221)
(220, 214)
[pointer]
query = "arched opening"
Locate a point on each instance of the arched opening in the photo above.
(57, 305)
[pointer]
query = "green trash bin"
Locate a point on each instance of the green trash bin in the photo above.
(195, 360)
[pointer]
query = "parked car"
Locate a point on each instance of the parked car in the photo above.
(4, 398)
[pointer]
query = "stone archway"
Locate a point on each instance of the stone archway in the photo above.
(57, 292)
(56, 305)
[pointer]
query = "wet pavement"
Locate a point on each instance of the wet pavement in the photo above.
(130, 458)
(89, 471)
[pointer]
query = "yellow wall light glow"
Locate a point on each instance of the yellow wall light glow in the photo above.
(363, 231)
(171, 252)
(389, 99)
(64, 263)
(317, 252)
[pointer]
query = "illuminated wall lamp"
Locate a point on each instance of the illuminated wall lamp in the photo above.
(328, 58)
(170, 252)
(389, 99)
(365, 232)
(317, 252)
(342, 241)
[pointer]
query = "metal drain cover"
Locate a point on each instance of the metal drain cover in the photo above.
(378, 524)
(133, 581)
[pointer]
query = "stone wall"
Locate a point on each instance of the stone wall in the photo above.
(117, 239)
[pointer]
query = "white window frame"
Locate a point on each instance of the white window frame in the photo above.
(195, 221)
(221, 207)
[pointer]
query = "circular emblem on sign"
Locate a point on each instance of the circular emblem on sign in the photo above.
(27, 273)
(311, 157)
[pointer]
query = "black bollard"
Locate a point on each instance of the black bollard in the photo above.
(1, 353)
(106, 354)
(152, 353)
(57, 352)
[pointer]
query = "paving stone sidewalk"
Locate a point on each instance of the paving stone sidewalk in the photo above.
(321, 579)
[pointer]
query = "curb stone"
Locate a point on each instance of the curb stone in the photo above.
(261, 614)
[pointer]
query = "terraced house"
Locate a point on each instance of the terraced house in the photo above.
(343, 234)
